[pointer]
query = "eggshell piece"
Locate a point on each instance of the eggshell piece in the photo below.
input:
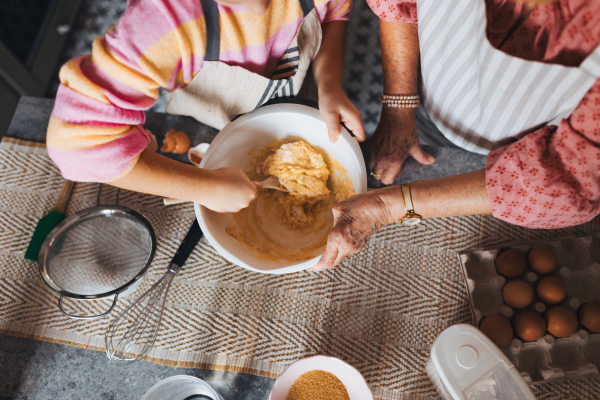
(517, 294)
(176, 142)
(497, 329)
(529, 326)
(542, 259)
(560, 321)
(169, 143)
(511, 263)
(589, 316)
(182, 142)
(551, 290)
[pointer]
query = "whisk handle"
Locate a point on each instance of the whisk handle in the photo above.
(186, 247)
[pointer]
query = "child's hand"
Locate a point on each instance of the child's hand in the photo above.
(336, 107)
(229, 190)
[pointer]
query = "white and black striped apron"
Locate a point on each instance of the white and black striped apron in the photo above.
(481, 98)
(220, 92)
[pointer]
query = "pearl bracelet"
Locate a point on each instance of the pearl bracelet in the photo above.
(399, 97)
(396, 100)
(416, 105)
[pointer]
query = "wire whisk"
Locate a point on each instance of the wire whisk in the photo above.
(132, 333)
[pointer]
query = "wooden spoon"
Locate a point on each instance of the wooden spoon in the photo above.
(269, 183)
(272, 183)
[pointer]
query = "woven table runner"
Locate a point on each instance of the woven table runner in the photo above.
(380, 310)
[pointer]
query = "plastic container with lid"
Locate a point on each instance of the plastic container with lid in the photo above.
(465, 364)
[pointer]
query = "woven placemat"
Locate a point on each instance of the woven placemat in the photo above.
(380, 310)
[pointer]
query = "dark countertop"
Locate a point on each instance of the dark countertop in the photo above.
(32, 369)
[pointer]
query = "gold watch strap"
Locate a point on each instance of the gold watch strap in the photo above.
(407, 198)
(410, 218)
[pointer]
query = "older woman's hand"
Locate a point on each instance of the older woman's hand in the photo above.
(393, 141)
(356, 219)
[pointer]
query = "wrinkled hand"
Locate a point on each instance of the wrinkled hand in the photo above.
(393, 141)
(230, 190)
(356, 219)
(335, 108)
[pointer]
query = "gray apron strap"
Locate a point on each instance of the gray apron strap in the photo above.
(307, 6)
(213, 30)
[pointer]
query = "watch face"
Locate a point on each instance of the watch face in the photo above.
(411, 221)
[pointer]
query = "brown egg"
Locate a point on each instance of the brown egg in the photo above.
(529, 326)
(517, 294)
(560, 321)
(551, 290)
(511, 263)
(589, 316)
(498, 329)
(542, 259)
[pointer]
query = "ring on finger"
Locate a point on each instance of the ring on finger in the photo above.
(375, 175)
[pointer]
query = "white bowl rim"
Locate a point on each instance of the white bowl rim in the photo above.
(314, 360)
(176, 377)
(271, 109)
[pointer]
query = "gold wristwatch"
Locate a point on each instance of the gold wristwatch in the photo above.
(410, 218)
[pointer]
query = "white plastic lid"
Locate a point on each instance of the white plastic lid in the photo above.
(465, 364)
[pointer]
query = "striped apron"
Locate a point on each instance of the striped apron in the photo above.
(220, 92)
(481, 98)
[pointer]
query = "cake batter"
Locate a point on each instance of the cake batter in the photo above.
(290, 226)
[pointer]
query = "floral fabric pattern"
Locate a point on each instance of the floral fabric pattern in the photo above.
(395, 10)
(551, 177)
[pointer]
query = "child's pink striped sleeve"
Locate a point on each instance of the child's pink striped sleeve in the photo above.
(338, 10)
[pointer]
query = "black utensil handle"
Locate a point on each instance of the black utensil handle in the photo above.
(186, 247)
(349, 131)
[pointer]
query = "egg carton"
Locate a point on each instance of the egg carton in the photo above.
(549, 358)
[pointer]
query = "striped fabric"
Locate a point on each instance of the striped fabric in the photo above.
(478, 96)
(95, 132)
(286, 68)
(288, 65)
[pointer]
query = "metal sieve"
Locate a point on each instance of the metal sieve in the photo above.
(97, 253)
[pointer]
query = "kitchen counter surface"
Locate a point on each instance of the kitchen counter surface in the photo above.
(32, 369)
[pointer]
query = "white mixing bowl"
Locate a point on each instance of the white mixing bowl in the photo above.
(257, 130)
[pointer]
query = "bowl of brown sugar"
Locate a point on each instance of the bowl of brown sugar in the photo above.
(320, 378)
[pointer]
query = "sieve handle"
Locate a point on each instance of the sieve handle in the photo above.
(186, 247)
(60, 307)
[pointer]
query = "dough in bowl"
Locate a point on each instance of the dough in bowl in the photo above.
(290, 226)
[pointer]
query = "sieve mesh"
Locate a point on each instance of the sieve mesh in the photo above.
(99, 254)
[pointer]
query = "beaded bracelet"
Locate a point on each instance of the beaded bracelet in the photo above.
(396, 100)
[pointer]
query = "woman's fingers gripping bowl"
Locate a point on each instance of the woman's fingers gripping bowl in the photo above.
(340, 243)
(386, 169)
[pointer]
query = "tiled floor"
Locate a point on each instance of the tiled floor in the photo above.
(362, 76)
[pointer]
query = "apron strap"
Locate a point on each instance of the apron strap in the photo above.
(307, 6)
(213, 30)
